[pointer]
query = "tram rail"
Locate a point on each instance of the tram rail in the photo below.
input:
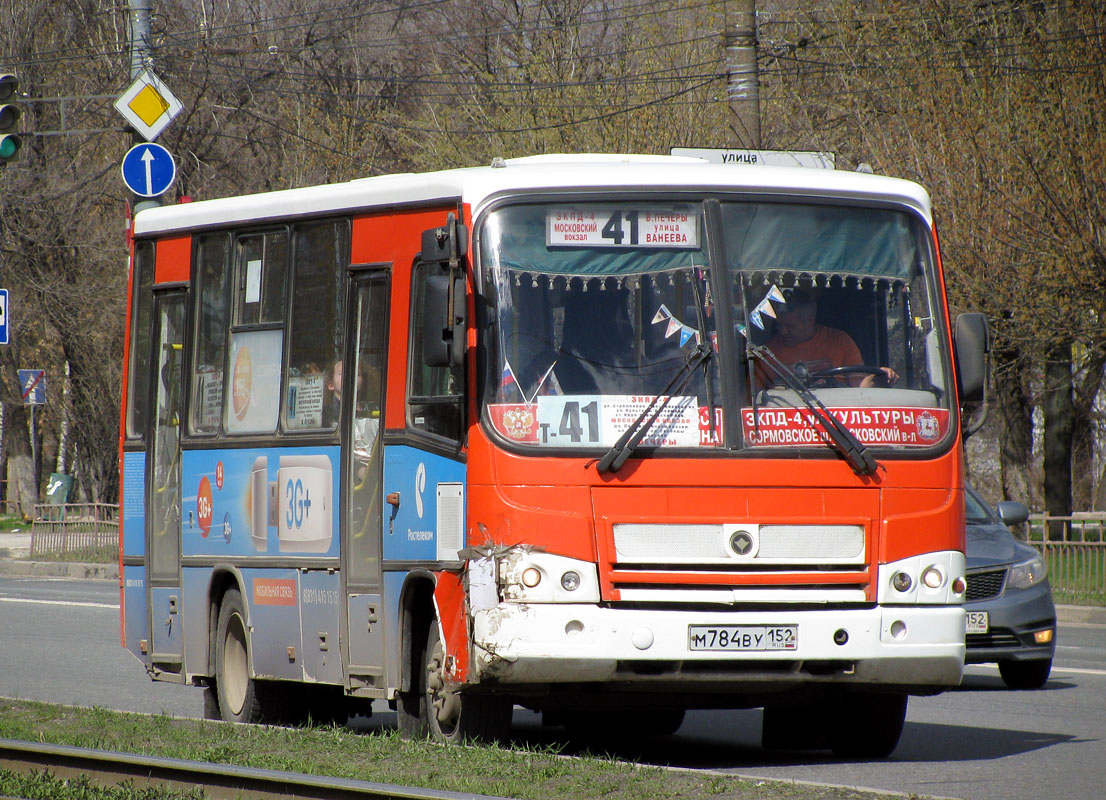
(219, 781)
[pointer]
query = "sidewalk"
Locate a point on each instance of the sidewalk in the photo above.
(15, 549)
(1094, 615)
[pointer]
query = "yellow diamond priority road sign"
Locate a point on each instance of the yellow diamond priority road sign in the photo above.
(148, 105)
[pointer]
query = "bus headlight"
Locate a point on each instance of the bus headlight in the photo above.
(530, 577)
(927, 579)
(933, 578)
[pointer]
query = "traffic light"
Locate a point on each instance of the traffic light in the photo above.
(9, 118)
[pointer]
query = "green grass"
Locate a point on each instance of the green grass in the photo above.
(44, 786)
(538, 773)
(1078, 577)
(13, 522)
(1076, 571)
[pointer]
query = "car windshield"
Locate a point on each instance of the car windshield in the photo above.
(598, 308)
(975, 509)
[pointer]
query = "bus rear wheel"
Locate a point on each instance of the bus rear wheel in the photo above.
(454, 716)
(238, 693)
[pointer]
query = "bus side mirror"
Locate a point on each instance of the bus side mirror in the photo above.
(443, 312)
(973, 346)
(437, 243)
(443, 333)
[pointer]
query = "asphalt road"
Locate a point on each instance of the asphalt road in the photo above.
(59, 642)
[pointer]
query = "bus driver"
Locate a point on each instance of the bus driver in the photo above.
(799, 338)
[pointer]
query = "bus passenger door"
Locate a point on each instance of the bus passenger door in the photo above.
(163, 482)
(362, 426)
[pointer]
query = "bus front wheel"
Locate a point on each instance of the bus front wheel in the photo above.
(454, 716)
(239, 697)
(852, 725)
(868, 725)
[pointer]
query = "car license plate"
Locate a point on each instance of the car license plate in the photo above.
(979, 622)
(742, 637)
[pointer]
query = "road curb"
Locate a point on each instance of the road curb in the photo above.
(19, 568)
(1094, 615)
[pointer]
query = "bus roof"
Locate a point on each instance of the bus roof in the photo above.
(547, 173)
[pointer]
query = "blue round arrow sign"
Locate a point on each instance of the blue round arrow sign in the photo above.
(148, 169)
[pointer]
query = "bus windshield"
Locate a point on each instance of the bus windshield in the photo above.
(599, 309)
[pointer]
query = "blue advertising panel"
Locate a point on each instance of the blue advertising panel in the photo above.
(134, 504)
(429, 522)
(249, 501)
(273, 598)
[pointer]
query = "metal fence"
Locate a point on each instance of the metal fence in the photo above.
(1074, 550)
(76, 531)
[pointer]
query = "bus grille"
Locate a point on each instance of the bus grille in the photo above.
(751, 544)
(739, 563)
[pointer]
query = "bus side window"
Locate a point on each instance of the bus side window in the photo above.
(434, 394)
(139, 373)
(262, 261)
(251, 394)
(209, 350)
(320, 252)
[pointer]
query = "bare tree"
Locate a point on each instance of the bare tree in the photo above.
(998, 108)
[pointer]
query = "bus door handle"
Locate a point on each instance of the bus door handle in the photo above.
(392, 499)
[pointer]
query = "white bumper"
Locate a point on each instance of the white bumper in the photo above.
(914, 646)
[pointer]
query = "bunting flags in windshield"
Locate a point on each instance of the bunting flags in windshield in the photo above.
(765, 307)
(674, 326)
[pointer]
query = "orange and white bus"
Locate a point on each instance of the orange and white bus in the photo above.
(534, 434)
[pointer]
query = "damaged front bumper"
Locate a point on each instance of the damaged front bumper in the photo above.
(532, 643)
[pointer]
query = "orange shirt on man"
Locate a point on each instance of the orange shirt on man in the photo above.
(828, 347)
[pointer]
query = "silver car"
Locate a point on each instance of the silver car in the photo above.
(1011, 617)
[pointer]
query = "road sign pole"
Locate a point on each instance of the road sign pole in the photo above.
(141, 54)
(34, 447)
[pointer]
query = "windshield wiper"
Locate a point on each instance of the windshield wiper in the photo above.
(708, 381)
(851, 448)
(614, 458)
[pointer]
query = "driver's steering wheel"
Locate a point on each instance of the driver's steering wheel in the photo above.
(824, 375)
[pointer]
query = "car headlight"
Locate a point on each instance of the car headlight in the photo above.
(1027, 573)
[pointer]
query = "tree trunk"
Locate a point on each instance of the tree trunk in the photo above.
(1059, 412)
(1015, 422)
(1084, 430)
(22, 484)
